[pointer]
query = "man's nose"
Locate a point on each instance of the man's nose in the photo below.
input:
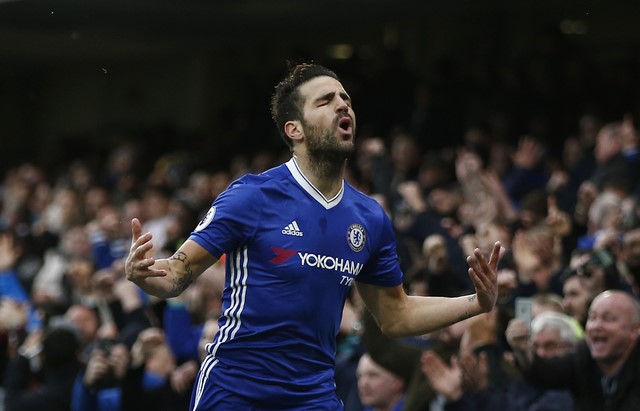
(341, 105)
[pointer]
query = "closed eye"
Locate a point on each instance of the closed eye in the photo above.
(324, 99)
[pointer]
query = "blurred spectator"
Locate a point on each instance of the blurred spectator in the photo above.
(538, 264)
(48, 290)
(41, 378)
(350, 349)
(10, 285)
(86, 322)
(148, 383)
(404, 161)
(578, 295)
(97, 387)
(465, 383)
(436, 170)
(380, 389)
(18, 316)
(630, 259)
(95, 198)
(109, 239)
(121, 176)
(78, 281)
(602, 373)
(156, 217)
(120, 304)
(612, 164)
(479, 206)
(182, 219)
(528, 173)
(545, 302)
(198, 193)
(442, 279)
(64, 212)
(219, 182)
(185, 316)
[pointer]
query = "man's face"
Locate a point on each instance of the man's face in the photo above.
(329, 122)
(377, 387)
(606, 145)
(435, 251)
(548, 343)
(611, 332)
(576, 298)
(85, 319)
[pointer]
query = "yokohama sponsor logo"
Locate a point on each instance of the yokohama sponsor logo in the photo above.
(330, 263)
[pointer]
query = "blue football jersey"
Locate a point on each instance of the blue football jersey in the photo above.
(291, 257)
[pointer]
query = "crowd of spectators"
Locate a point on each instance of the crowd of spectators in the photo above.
(75, 335)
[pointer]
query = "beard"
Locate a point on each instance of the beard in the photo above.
(326, 150)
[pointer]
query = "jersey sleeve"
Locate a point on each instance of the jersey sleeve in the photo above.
(383, 268)
(231, 220)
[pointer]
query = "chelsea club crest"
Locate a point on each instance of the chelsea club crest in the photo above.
(356, 237)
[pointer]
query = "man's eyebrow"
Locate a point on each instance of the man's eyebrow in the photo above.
(326, 96)
(329, 95)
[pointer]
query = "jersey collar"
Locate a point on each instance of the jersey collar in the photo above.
(292, 165)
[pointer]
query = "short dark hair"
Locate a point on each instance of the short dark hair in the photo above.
(286, 101)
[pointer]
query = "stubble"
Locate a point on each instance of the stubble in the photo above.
(326, 151)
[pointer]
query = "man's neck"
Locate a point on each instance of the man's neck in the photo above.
(392, 404)
(610, 368)
(325, 176)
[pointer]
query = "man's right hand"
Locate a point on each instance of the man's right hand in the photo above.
(138, 266)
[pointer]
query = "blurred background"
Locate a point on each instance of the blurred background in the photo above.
(79, 77)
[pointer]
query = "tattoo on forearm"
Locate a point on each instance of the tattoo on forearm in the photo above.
(180, 283)
(466, 314)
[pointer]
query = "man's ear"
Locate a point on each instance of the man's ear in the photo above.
(293, 129)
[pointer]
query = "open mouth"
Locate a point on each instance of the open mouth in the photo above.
(346, 125)
(598, 342)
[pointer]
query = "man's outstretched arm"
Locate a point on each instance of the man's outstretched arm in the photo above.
(399, 315)
(168, 277)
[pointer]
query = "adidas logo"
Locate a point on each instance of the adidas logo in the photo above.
(292, 229)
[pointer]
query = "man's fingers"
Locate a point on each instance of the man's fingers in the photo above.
(145, 263)
(496, 255)
(141, 249)
(143, 268)
(480, 267)
(155, 273)
(483, 269)
(141, 273)
(136, 229)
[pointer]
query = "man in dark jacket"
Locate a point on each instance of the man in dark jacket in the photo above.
(603, 374)
(48, 388)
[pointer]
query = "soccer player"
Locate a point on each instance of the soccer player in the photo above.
(296, 238)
